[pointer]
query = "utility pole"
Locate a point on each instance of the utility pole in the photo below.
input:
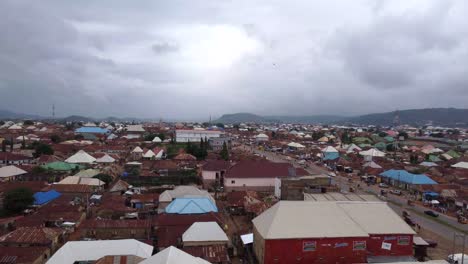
(455, 237)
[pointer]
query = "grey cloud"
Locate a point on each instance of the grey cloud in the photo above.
(267, 57)
(164, 47)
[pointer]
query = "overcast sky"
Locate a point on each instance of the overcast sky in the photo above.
(193, 59)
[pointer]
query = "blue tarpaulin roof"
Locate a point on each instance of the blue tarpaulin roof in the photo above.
(199, 205)
(94, 130)
(331, 155)
(41, 198)
(406, 177)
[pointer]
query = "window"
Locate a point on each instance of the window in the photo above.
(403, 240)
(233, 181)
(309, 246)
(359, 245)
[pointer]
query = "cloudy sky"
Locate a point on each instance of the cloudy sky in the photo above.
(193, 59)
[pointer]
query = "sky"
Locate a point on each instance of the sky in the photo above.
(200, 58)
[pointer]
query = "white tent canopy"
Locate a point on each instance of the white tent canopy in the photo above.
(173, 255)
(10, 171)
(157, 139)
(105, 159)
(149, 154)
(329, 149)
(353, 147)
(428, 164)
(372, 164)
(295, 145)
(81, 157)
(137, 149)
(204, 232)
(372, 153)
(462, 164)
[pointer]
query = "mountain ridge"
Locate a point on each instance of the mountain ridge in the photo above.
(436, 116)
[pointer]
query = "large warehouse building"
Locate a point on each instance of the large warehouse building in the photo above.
(330, 232)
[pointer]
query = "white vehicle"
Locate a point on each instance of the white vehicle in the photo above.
(457, 258)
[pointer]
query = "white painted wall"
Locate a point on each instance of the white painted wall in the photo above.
(249, 182)
(209, 175)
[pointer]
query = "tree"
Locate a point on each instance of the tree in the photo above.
(28, 122)
(4, 145)
(162, 136)
(41, 148)
(403, 134)
(150, 137)
(79, 137)
(220, 125)
(11, 145)
(18, 199)
(38, 170)
(382, 134)
(106, 178)
(345, 138)
(2, 122)
(225, 152)
(55, 138)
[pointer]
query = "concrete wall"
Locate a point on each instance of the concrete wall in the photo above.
(210, 175)
(249, 182)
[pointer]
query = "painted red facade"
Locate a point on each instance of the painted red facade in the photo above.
(335, 250)
(325, 250)
(401, 245)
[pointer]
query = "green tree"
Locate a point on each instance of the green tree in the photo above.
(150, 137)
(18, 199)
(41, 149)
(38, 170)
(55, 138)
(345, 138)
(79, 137)
(28, 123)
(4, 145)
(225, 152)
(220, 125)
(106, 178)
(162, 136)
(382, 134)
(403, 134)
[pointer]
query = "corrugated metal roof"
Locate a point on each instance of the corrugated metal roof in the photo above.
(199, 205)
(93, 130)
(306, 219)
(204, 232)
(74, 251)
(404, 176)
(376, 218)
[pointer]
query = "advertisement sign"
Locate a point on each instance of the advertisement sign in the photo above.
(359, 245)
(386, 246)
(309, 246)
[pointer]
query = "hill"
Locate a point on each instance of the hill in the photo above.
(417, 117)
(5, 114)
(243, 118)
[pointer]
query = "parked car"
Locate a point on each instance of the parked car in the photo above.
(383, 185)
(431, 213)
(396, 192)
(457, 258)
